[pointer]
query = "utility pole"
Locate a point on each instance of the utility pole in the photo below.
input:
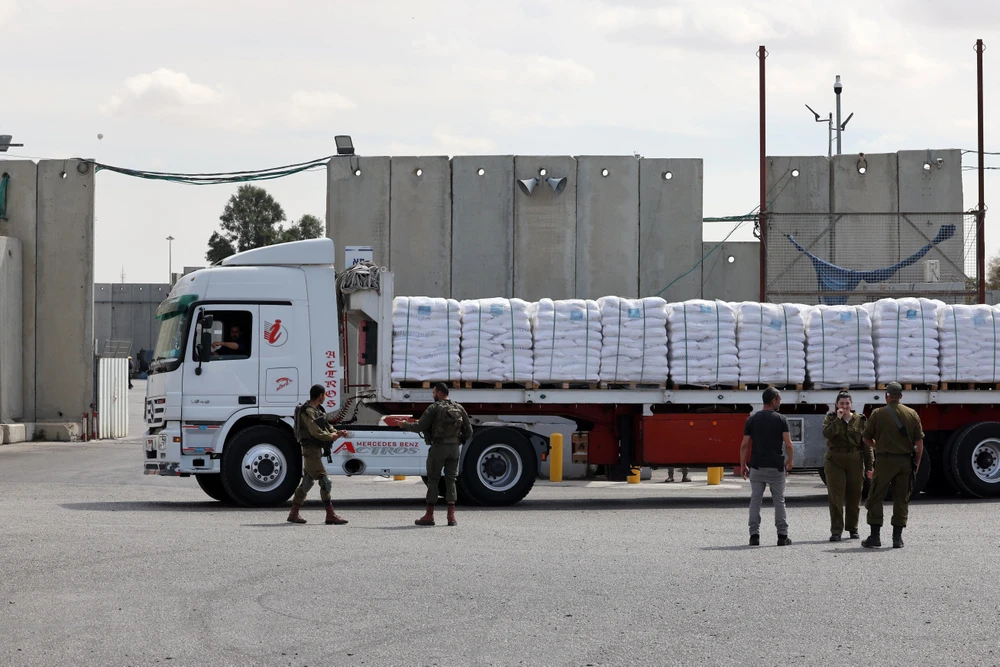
(837, 88)
(170, 260)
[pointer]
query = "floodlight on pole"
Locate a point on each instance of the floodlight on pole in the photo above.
(344, 144)
(5, 143)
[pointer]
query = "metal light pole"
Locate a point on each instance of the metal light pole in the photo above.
(170, 260)
(837, 87)
(829, 129)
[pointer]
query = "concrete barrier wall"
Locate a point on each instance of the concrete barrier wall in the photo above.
(670, 227)
(11, 333)
(607, 230)
(545, 229)
(357, 205)
(21, 224)
(125, 312)
(732, 271)
(482, 227)
(64, 320)
(420, 225)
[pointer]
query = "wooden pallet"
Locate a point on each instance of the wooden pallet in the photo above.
(913, 386)
(716, 387)
(426, 384)
(633, 385)
(779, 387)
(976, 386)
(499, 385)
(569, 385)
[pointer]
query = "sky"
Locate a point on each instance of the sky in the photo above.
(220, 85)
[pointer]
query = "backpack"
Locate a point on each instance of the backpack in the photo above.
(448, 421)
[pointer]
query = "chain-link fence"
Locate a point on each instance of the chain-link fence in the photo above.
(851, 258)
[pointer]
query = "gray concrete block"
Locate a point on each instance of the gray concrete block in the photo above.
(670, 227)
(868, 239)
(11, 330)
(482, 223)
(53, 431)
(64, 323)
(545, 229)
(607, 227)
(420, 226)
(357, 205)
(21, 224)
(732, 272)
(799, 200)
(11, 434)
(934, 189)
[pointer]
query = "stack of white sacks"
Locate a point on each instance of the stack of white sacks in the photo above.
(496, 341)
(634, 340)
(970, 343)
(839, 347)
(905, 335)
(426, 339)
(567, 340)
(771, 339)
(702, 338)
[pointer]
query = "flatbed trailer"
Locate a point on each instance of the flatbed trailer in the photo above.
(228, 421)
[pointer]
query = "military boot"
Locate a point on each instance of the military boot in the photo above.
(332, 518)
(872, 541)
(897, 537)
(428, 518)
(451, 515)
(293, 516)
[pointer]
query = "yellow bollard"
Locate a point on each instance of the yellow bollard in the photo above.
(715, 476)
(636, 476)
(556, 458)
(399, 478)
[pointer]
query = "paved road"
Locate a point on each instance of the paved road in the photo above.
(102, 566)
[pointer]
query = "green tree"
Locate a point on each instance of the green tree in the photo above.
(308, 227)
(251, 219)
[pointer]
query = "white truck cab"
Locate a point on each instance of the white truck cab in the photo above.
(240, 345)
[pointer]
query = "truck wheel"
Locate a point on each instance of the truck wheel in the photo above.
(261, 467)
(975, 460)
(949, 467)
(212, 485)
(937, 482)
(498, 467)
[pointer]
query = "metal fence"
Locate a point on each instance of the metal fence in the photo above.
(852, 258)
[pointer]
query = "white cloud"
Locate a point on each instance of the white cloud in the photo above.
(445, 142)
(314, 107)
(543, 69)
(163, 91)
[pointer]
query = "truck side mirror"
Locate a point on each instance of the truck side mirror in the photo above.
(205, 345)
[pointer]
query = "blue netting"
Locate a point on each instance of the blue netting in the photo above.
(833, 278)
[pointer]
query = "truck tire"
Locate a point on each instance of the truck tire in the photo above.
(498, 467)
(937, 482)
(212, 485)
(261, 466)
(975, 460)
(949, 467)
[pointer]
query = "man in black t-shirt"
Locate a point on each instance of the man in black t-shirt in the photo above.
(764, 436)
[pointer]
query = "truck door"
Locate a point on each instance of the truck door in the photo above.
(228, 383)
(284, 354)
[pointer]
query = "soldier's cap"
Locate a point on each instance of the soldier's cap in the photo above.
(894, 389)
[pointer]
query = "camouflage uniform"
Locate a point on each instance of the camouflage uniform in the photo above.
(843, 467)
(893, 461)
(445, 440)
(313, 440)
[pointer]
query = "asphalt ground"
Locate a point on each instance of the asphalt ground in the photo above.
(100, 565)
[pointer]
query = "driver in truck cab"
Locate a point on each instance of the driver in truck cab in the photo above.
(315, 437)
(236, 345)
(445, 426)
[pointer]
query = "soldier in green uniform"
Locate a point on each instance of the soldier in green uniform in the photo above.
(843, 431)
(898, 438)
(315, 436)
(445, 426)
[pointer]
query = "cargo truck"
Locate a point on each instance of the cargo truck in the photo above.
(221, 410)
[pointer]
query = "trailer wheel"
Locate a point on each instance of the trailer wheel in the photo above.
(498, 467)
(261, 467)
(212, 485)
(937, 482)
(950, 474)
(975, 460)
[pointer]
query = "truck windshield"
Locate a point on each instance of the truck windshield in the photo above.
(173, 317)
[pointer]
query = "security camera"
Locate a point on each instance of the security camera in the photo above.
(837, 86)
